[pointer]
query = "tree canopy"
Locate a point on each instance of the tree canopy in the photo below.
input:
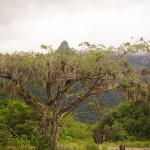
(129, 120)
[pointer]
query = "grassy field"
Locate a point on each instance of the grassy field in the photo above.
(90, 145)
(128, 145)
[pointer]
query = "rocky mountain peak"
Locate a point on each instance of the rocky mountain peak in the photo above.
(64, 44)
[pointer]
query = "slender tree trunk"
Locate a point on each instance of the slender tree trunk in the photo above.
(54, 134)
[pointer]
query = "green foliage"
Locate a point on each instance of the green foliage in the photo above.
(18, 116)
(117, 132)
(104, 147)
(91, 146)
(20, 144)
(75, 130)
(128, 120)
(17, 124)
(76, 135)
(42, 142)
(5, 135)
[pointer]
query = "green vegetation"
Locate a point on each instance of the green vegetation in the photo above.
(128, 121)
(51, 86)
(22, 132)
(128, 144)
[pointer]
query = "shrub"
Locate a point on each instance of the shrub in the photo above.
(91, 146)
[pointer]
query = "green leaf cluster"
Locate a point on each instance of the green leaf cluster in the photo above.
(75, 130)
(129, 120)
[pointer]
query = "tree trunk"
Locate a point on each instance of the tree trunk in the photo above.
(51, 130)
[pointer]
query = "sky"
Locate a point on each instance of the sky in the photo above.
(26, 24)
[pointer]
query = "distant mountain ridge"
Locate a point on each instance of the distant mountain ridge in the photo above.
(139, 59)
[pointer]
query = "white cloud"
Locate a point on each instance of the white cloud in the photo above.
(25, 25)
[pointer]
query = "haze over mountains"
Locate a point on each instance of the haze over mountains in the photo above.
(139, 59)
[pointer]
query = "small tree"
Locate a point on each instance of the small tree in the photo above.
(55, 84)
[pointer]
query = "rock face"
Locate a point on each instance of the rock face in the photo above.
(64, 45)
(64, 48)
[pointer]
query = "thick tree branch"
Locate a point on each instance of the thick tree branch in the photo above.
(60, 93)
(29, 99)
(78, 100)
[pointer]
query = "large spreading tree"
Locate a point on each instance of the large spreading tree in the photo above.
(54, 84)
